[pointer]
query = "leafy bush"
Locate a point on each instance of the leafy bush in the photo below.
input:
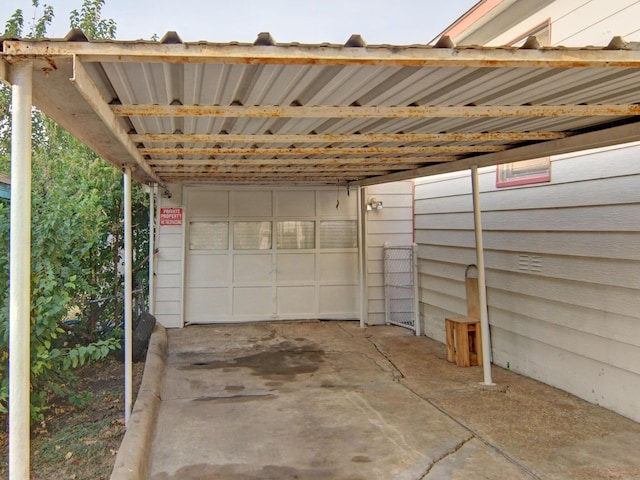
(77, 236)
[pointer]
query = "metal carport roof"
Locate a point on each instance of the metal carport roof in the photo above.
(268, 113)
(272, 113)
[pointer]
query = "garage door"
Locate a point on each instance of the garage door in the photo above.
(256, 254)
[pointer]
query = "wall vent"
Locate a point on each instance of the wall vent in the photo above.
(530, 263)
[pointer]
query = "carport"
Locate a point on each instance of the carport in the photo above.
(266, 113)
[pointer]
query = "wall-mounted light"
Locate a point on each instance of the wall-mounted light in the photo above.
(374, 204)
(166, 193)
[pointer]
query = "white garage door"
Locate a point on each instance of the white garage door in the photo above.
(270, 254)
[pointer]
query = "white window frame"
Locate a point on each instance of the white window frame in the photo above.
(526, 172)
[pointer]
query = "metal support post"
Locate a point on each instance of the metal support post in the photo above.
(362, 258)
(416, 290)
(128, 300)
(152, 247)
(20, 273)
(482, 284)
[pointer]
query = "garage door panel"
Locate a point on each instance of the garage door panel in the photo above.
(208, 270)
(207, 304)
(252, 301)
(296, 267)
(295, 203)
(252, 268)
(338, 267)
(205, 203)
(251, 204)
(296, 300)
(328, 199)
(339, 300)
(284, 253)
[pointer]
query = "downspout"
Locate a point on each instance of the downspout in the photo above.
(20, 273)
(482, 284)
(128, 300)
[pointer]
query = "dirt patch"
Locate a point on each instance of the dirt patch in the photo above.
(80, 442)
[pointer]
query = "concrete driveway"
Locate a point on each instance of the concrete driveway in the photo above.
(329, 400)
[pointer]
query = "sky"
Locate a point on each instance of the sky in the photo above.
(395, 22)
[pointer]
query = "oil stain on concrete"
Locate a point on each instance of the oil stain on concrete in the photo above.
(281, 362)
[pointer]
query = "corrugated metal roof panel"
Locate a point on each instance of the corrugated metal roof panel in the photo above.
(333, 84)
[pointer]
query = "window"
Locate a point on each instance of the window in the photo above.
(526, 172)
(208, 236)
(338, 234)
(252, 235)
(295, 235)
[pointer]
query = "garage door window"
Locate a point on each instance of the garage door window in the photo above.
(252, 235)
(295, 235)
(208, 236)
(338, 234)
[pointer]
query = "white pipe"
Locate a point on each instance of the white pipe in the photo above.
(128, 301)
(20, 273)
(152, 247)
(482, 284)
(387, 291)
(362, 263)
(416, 290)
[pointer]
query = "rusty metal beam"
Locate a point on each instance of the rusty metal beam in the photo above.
(353, 138)
(283, 168)
(322, 150)
(233, 177)
(89, 91)
(261, 174)
(377, 56)
(377, 112)
(304, 161)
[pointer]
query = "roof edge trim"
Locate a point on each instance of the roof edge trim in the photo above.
(417, 56)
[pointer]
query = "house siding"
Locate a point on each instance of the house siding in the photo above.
(169, 264)
(562, 266)
(593, 22)
(393, 225)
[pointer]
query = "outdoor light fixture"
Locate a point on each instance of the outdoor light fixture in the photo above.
(374, 204)
(166, 193)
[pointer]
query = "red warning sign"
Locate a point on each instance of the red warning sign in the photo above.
(171, 217)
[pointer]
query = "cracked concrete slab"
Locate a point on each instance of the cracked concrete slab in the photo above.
(474, 459)
(304, 400)
(319, 400)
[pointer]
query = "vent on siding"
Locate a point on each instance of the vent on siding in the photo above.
(530, 263)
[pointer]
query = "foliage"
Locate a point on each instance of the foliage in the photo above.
(77, 238)
(14, 27)
(90, 20)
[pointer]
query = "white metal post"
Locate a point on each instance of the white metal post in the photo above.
(482, 284)
(362, 262)
(128, 301)
(387, 289)
(152, 247)
(20, 273)
(416, 290)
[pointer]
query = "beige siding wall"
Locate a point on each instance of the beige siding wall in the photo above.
(576, 23)
(169, 259)
(574, 322)
(394, 225)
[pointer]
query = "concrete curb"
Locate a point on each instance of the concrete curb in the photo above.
(132, 461)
